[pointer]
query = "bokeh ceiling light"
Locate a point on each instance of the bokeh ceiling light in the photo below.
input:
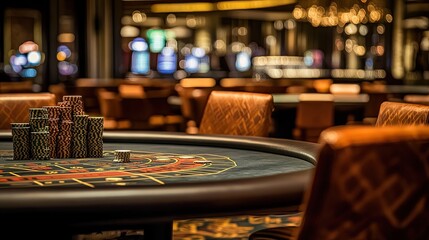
(182, 7)
(333, 13)
(255, 4)
(217, 6)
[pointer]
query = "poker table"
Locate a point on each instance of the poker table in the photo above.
(170, 176)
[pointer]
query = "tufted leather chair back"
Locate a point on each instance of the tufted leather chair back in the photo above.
(397, 113)
(14, 106)
(237, 113)
(370, 183)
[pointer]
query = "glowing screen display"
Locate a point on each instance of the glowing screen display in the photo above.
(197, 61)
(167, 61)
(140, 63)
(242, 62)
(156, 39)
(191, 64)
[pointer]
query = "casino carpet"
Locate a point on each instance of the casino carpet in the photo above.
(232, 228)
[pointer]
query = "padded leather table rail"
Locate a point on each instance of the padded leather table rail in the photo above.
(170, 176)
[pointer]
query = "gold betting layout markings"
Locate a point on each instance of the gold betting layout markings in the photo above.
(145, 168)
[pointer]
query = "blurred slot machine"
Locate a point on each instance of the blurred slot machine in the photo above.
(197, 61)
(167, 61)
(140, 62)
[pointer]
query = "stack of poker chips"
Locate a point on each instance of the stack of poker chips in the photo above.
(79, 139)
(40, 145)
(64, 139)
(122, 156)
(39, 137)
(21, 141)
(61, 131)
(70, 106)
(95, 137)
(75, 102)
(54, 115)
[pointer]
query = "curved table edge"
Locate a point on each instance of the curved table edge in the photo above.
(77, 209)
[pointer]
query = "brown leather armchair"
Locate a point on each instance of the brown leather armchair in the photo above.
(14, 106)
(369, 183)
(237, 113)
(194, 94)
(315, 113)
(398, 113)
